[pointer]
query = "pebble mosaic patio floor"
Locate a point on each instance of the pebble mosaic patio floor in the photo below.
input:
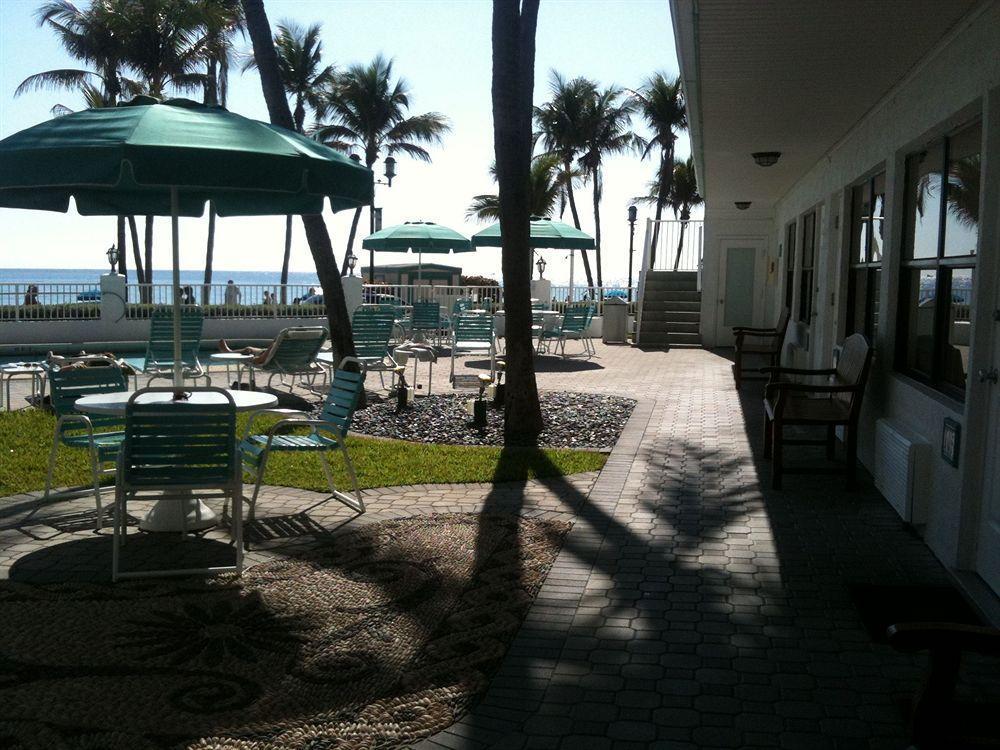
(690, 606)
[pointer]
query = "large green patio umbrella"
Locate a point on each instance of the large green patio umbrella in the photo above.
(421, 236)
(544, 233)
(148, 157)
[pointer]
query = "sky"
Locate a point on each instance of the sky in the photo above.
(442, 48)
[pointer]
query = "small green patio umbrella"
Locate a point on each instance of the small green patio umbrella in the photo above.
(421, 236)
(545, 233)
(148, 157)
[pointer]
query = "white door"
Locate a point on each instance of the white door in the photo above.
(988, 549)
(740, 287)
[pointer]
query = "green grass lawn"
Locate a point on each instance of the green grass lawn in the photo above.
(26, 438)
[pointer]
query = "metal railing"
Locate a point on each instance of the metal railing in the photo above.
(230, 301)
(674, 245)
(49, 301)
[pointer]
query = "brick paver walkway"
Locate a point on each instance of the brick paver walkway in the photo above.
(691, 606)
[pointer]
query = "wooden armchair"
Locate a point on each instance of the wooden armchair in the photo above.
(937, 720)
(836, 402)
(766, 341)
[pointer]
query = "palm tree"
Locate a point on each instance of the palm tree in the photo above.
(514, 24)
(316, 232)
(304, 77)
(683, 197)
(660, 102)
(607, 117)
(93, 36)
(367, 110)
(545, 188)
(560, 127)
(220, 19)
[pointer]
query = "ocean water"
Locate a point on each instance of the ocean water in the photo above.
(192, 277)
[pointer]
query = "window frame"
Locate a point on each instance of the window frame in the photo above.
(790, 232)
(941, 264)
(872, 268)
(807, 297)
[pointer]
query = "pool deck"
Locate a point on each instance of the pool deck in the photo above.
(691, 606)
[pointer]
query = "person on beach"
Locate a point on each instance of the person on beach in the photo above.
(233, 293)
(31, 296)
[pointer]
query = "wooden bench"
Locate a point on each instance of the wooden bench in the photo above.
(835, 402)
(765, 341)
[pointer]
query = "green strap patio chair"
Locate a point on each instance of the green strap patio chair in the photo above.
(160, 348)
(372, 328)
(427, 319)
(100, 435)
(327, 433)
(474, 335)
(575, 324)
(293, 355)
(172, 450)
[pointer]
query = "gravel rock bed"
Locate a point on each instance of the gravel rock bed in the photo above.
(573, 420)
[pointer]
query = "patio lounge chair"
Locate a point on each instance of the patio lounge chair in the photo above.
(100, 435)
(427, 319)
(160, 348)
(473, 335)
(767, 341)
(329, 432)
(836, 402)
(293, 354)
(575, 323)
(372, 328)
(171, 451)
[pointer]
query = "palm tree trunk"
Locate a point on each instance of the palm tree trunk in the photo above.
(597, 224)
(316, 232)
(568, 166)
(285, 259)
(149, 258)
(122, 256)
(140, 274)
(350, 240)
(206, 289)
(680, 245)
(513, 83)
(666, 178)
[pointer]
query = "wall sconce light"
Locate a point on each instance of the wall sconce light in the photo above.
(742, 205)
(766, 158)
(113, 257)
(541, 267)
(352, 262)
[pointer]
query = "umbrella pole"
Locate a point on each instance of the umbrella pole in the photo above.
(420, 266)
(572, 257)
(175, 237)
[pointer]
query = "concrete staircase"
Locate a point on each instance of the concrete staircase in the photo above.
(671, 310)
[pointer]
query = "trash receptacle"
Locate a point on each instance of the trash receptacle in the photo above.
(615, 321)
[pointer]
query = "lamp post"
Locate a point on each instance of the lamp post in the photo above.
(113, 257)
(632, 211)
(390, 172)
(541, 267)
(352, 261)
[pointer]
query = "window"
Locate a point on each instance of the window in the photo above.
(865, 274)
(941, 234)
(789, 263)
(806, 277)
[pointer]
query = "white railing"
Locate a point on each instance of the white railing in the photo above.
(445, 295)
(49, 301)
(674, 245)
(231, 301)
(561, 296)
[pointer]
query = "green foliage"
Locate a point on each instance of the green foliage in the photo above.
(26, 437)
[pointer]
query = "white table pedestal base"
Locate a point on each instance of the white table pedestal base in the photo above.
(178, 515)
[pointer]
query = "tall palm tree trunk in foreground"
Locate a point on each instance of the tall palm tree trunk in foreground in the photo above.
(514, 23)
(206, 289)
(285, 259)
(122, 265)
(316, 233)
(140, 274)
(597, 225)
(350, 240)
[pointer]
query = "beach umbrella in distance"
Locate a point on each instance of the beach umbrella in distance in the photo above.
(545, 233)
(419, 236)
(147, 157)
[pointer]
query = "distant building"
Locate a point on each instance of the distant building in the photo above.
(435, 274)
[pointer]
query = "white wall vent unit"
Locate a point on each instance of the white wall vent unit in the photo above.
(900, 458)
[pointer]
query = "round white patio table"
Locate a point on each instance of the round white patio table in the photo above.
(174, 515)
(240, 360)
